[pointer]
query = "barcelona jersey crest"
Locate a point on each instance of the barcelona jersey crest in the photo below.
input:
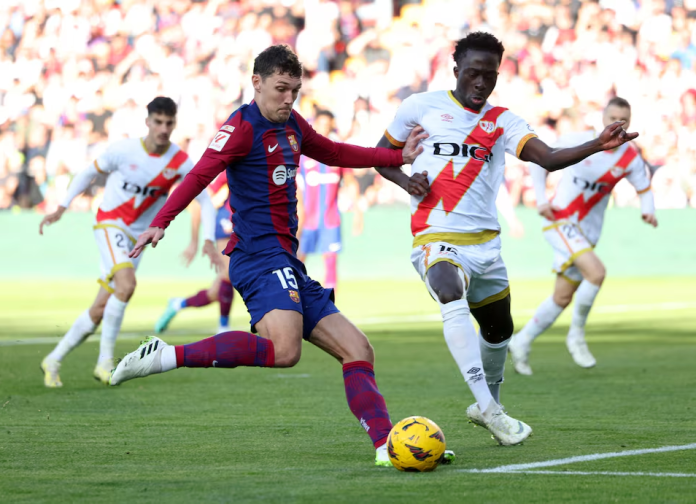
(293, 143)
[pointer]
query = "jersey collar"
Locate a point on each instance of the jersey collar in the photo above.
(449, 93)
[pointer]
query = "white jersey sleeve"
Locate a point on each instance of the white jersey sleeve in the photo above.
(110, 159)
(516, 133)
(638, 175)
(638, 178)
(407, 118)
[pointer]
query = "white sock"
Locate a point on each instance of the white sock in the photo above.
(493, 357)
(584, 299)
(168, 358)
(462, 341)
(111, 326)
(78, 332)
(544, 317)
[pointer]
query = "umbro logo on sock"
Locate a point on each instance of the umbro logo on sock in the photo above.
(474, 370)
(147, 350)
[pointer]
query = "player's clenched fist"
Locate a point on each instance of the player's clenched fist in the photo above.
(151, 235)
(411, 148)
(545, 211)
(418, 184)
(51, 218)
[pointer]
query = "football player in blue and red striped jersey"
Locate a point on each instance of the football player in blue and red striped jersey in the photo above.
(260, 147)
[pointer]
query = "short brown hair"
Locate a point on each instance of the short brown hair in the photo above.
(277, 58)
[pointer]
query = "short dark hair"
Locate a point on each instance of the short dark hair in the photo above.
(162, 105)
(619, 102)
(277, 58)
(326, 113)
(478, 41)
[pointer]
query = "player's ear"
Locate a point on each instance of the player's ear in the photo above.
(455, 70)
(256, 82)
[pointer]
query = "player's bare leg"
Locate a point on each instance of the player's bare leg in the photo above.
(593, 273)
(85, 325)
(446, 283)
(546, 314)
(337, 336)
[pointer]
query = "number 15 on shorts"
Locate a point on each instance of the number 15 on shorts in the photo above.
(287, 278)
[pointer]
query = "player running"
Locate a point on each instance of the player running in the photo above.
(320, 220)
(141, 171)
(454, 220)
(260, 147)
(221, 289)
(572, 225)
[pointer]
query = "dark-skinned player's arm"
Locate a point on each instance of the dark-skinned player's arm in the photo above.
(407, 119)
(225, 148)
(553, 159)
(416, 185)
(332, 153)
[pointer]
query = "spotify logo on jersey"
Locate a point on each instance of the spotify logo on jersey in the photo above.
(282, 174)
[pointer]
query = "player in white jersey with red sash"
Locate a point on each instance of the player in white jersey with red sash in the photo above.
(456, 247)
(141, 173)
(573, 223)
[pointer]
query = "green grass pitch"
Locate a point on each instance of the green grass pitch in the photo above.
(258, 435)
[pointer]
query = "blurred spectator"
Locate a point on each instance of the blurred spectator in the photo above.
(76, 74)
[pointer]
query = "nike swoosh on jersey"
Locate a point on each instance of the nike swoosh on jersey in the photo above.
(271, 149)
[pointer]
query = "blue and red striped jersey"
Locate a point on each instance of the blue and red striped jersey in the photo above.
(261, 158)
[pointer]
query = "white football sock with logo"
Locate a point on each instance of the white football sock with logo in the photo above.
(463, 344)
(111, 326)
(584, 299)
(78, 332)
(544, 317)
(493, 357)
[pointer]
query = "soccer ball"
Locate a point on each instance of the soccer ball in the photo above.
(415, 444)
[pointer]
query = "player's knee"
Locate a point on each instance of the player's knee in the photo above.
(598, 275)
(498, 331)
(450, 293)
(562, 299)
(288, 356)
(361, 351)
(124, 290)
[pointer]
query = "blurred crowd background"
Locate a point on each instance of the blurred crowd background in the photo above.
(77, 74)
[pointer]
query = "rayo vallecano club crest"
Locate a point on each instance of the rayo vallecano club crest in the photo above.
(169, 173)
(487, 126)
(293, 142)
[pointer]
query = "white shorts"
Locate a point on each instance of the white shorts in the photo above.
(114, 244)
(481, 268)
(568, 243)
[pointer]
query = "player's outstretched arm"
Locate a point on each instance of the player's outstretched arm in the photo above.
(416, 185)
(552, 159)
(332, 153)
(77, 186)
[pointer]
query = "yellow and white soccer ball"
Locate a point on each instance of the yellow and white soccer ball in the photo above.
(416, 444)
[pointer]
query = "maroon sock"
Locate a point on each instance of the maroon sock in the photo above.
(227, 350)
(197, 300)
(225, 296)
(366, 402)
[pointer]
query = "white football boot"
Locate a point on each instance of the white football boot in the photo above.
(519, 353)
(146, 360)
(505, 429)
(50, 368)
(102, 371)
(382, 457)
(579, 351)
